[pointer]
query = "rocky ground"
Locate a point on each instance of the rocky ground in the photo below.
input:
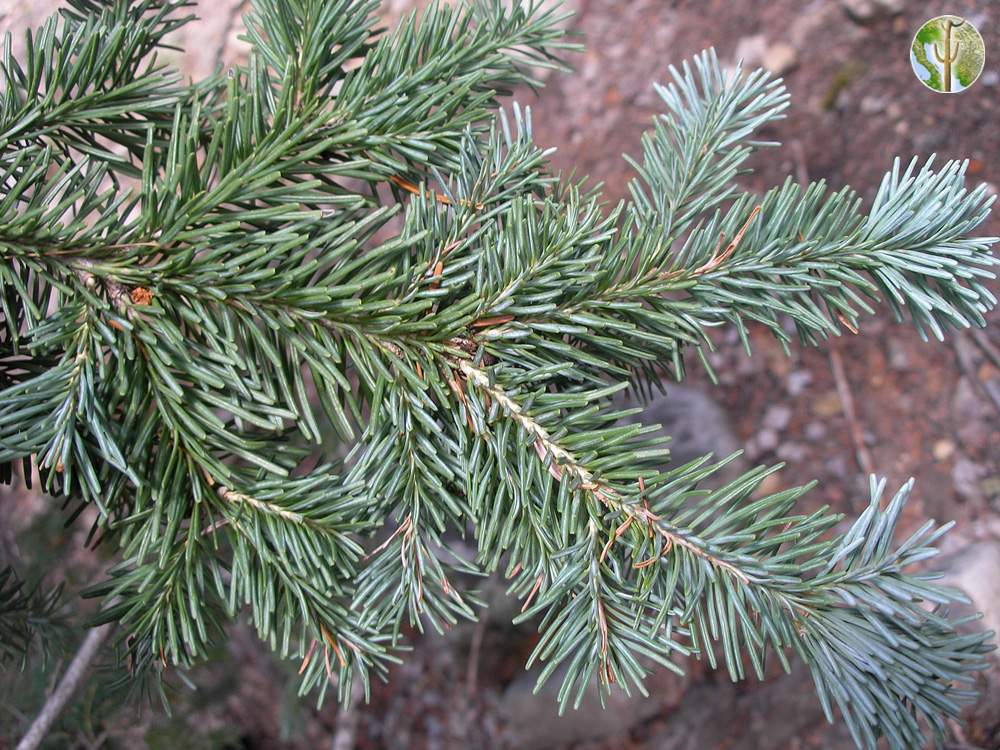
(883, 399)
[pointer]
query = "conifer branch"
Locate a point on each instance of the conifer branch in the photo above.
(29, 619)
(206, 287)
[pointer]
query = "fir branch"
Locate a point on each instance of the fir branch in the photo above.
(338, 238)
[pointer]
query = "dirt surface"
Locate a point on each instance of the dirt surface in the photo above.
(920, 409)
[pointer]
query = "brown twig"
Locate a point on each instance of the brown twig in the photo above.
(988, 347)
(475, 651)
(214, 526)
(847, 403)
(801, 168)
(239, 498)
(652, 560)
(848, 324)
(71, 679)
(437, 269)
(963, 353)
(602, 626)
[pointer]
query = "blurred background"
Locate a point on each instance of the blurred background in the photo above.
(882, 401)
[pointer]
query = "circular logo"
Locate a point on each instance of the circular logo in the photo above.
(947, 54)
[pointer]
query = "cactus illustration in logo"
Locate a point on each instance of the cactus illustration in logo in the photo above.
(947, 54)
(950, 53)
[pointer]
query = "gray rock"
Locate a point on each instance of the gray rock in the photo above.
(777, 417)
(751, 49)
(756, 51)
(899, 358)
(694, 422)
(813, 17)
(780, 58)
(815, 431)
(502, 608)
(929, 139)
(973, 429)
(837, 466)
(793, 453)
(966, 476)
(872, 105)
(765, 441)
(534, 723)
(797, 381)
(775, 714)
(974, 569)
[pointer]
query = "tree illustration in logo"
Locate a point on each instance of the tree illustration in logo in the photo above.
(947, 54)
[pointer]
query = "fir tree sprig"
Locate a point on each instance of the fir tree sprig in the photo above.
(205, 287)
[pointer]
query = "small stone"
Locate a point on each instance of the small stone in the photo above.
(815, 431)
(943, 449)
(898, 357)
(836, 466)
(792, 452)
(767, 441)
(751, 49)
(777, 417)
(872, 105)
(966, 476)
(827, 405)
(755, 51)
(780, 58)
(868, 11)
(991, 488)
(988, 527)
(930, 138)
(974, 430)
(987, 372)
(798, 380)
(990, 78)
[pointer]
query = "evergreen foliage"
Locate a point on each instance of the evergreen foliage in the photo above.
(208, 287)
(29, 619)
